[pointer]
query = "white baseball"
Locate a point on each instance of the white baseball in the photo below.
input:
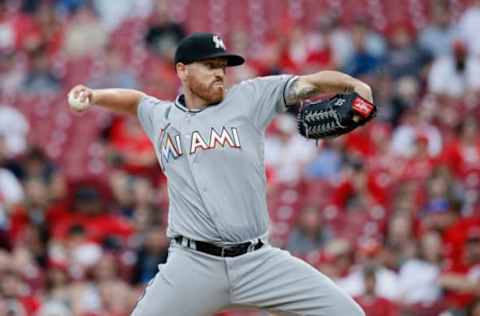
(76, 104)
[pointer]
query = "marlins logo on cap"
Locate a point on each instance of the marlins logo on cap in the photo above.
(218, 42)
(198, 47)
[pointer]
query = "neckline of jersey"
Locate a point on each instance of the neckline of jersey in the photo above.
(180, 103)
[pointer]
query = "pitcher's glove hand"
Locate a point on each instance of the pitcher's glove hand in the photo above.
(335, 116)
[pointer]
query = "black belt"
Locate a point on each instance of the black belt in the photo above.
(226, 251)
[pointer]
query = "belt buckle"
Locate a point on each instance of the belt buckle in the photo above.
(229, 251)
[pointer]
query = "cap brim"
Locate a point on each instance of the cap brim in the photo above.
(232, 59)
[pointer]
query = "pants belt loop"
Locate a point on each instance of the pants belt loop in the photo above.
(252, 245)
(257, 242)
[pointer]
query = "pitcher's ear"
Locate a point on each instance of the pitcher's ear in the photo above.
(181, 70)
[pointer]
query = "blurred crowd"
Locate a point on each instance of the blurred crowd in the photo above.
(390, 212)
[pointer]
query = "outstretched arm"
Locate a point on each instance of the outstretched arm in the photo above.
(117, 100)
(324, 82)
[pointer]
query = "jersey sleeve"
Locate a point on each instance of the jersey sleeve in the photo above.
(267, 97)
(149, 114)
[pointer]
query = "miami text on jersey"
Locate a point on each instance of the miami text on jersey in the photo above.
(171, 146)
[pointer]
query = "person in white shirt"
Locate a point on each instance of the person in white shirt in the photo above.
(11, 193)
(287, 152)
(468, 27)
(418, 278)
(14, 129)
(455, 75)
(437, 37)
(387, 280)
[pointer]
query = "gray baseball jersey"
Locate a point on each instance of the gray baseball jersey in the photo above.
(213, 159)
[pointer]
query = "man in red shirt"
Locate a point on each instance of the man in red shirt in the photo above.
(461, 281)
(90, 212)
(372, 304)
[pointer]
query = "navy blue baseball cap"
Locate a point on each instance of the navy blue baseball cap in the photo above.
(202, 46)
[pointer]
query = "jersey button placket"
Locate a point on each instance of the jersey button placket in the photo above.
(188, 117)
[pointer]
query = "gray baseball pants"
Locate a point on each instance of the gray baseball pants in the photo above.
(194, 283)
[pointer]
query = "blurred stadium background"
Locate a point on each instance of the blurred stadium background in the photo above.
(390, 212)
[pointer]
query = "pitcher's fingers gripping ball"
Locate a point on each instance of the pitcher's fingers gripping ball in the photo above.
(80, 98)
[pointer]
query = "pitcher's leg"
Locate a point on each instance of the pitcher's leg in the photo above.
(275, 280)
(190, 284)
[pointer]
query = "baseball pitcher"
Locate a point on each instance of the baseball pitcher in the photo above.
(209, 143)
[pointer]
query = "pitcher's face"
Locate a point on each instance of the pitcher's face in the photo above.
(206, 79)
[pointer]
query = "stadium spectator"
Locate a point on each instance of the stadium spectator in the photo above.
(270, 59)
(129, 148)
(85, 36)
(112, 17)
(69, 6)
(440, 209)
(12, 71)
(309, 50)
(386, 284)
(420, 165)
(150, 255)
(15, 293)
(138, 201)
(418, 276)
(400, 238)
(348, 44)
(437, 37)
(32, 213)
(57, 281)
(11, 194)
(327, 163)
(455, 75)
(40, 79)
(287, 152)
(367, 52)
(14, 129)
(372, 304)
(405, 96)
(336, 258)
(114, 292)
(35, 164)
(468, 25)
(91, 219)
(7, 27)
(17, 28)
(403, 57)
(474, 310)
(115, 71)
(48, 29)
(357, 188)
(461, 282)
(310, 233)
(462, 153)
(163, 34)
(414, 129)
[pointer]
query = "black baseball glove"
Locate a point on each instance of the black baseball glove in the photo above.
(335, 116)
